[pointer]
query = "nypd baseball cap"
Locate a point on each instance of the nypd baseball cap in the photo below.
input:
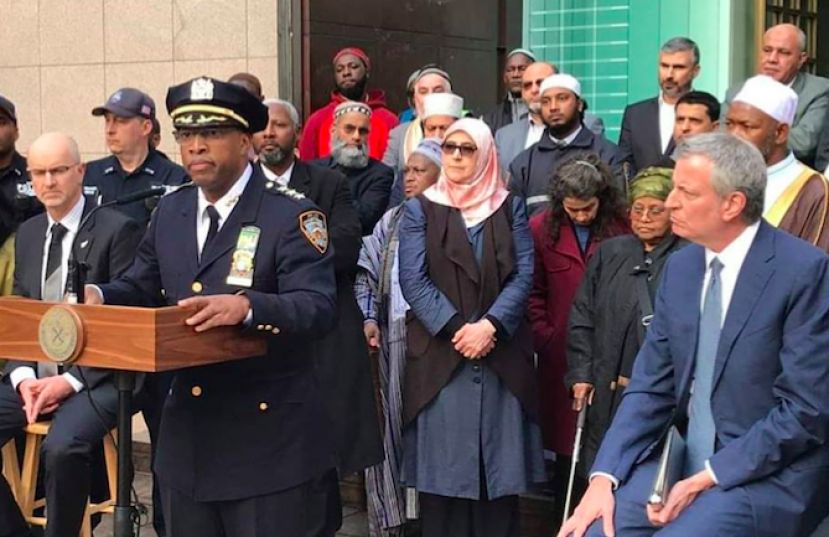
(127, 102)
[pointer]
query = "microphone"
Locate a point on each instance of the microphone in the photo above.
(76, 272)
(137, 196)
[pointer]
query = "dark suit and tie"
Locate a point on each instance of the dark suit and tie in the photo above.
(735, 358)
(106, 244)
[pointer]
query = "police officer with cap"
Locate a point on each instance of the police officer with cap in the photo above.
(244, 442)
(17, 197)
(134, 165)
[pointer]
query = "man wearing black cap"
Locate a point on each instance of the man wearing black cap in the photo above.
(133, 165)
(17, 197)
(242, 443)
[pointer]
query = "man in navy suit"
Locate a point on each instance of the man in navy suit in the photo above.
(736, 357)
(242, 444)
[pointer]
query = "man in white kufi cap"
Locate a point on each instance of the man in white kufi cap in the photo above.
(562, 111)
(440, 110)
(797, 197)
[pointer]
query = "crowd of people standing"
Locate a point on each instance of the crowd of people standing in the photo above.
(444, 292)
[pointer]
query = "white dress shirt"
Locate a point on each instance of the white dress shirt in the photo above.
(281, 180)
(535, 131)
(667, 118)
(224, 206)
(780, 177)
(732, 258)
(71, 222)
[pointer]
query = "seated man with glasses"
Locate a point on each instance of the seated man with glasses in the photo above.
(29, 392)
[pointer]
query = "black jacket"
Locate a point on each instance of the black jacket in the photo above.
(640, 141)
(370, 189)
(342, 364)
(106, 244)
(17, 197)
(604, 335)
(253, 426)
(532, 170)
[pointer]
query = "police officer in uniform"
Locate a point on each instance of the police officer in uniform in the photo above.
(18, 202)
(242, 443)
(134, 165)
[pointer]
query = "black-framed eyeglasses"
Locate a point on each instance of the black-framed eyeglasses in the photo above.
(466, 150)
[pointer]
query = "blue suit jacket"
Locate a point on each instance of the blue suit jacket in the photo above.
(253, 426)
(770, 396)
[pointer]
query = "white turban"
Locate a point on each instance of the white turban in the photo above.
(774, 99)
(561, 81)
(442, 104)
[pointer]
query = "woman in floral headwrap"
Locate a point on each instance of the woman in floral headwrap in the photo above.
(612, 308)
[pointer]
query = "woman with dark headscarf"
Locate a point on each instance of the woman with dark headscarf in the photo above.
(613, 306)
(471, 443)
(585, 209)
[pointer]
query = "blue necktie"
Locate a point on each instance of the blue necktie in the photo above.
(701, 430)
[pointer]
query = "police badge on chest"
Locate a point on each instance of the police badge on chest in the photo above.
(242, 261)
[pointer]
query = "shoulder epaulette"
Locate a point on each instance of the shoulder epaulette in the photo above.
(273, 186)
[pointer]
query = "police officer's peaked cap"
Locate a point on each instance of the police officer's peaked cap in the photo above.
(207, 102)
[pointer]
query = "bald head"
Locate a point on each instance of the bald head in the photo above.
(57, 172)
(783, 53)
(534, 75)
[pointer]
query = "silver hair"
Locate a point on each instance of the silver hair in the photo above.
(738, 166)
(292, 112)
(680, 44)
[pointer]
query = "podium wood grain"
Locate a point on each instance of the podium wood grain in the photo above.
(126, 338)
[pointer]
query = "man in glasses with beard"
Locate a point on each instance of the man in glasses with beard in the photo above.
(352, 70)
(350, 153)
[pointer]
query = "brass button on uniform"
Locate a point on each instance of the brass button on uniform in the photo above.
(197, 287)
(260, 326)
(164, 293)
(275, 331)
(196, 391)
(263, 406)
(268, 327)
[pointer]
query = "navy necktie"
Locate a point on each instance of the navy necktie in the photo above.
(213, 214)
(701, 429)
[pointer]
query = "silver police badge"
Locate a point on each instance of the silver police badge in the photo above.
(201, 89)
(312, 224)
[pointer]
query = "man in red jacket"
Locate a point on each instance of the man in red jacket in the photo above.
(351, 72)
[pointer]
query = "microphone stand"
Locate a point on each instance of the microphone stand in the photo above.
(123, 520)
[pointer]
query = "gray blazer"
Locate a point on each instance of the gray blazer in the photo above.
(510, 139)
(812, 106)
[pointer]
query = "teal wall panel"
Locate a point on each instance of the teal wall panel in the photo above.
(612, 46)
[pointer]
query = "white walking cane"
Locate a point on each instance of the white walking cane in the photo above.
(575, 460)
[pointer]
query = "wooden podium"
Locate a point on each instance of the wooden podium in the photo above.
(124, 339)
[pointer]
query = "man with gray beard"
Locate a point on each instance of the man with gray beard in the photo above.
(370, 180)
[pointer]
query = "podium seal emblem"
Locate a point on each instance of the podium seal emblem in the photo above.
(60, 334)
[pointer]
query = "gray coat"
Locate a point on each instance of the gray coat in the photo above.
(510, 139)
(812, 106)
